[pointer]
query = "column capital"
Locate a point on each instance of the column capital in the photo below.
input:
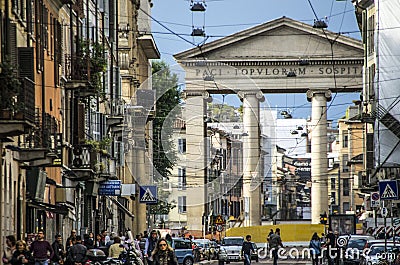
(312, 92)
(257, 93)
(204, 94)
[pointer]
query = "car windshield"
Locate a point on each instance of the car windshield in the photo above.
(232, 242)
(379, 249)
(357, 243)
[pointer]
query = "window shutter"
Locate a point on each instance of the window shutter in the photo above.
(12, 43)
(25, 61)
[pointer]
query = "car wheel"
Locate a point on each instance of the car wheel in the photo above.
(220, 262)
(188, 261)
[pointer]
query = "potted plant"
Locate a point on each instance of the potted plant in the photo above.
(10, 88)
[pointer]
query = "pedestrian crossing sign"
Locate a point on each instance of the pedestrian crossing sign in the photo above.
(388, 190)
(148, 194)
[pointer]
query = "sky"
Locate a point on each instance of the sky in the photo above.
(173, 22)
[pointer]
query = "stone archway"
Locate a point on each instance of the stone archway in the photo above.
(281, 56)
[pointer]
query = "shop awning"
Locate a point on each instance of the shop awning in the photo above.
(120, 206)
(58, 208)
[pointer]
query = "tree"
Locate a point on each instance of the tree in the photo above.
(167, 108)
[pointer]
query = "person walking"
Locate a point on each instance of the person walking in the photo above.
(163, 254)
(115, 249)
(315, 248)
(247, 249)
(331, 244)
(9, 249)
(151, 243)
(21, 255)
(40, 249)
(77, 253)
(275, 242)
(59, 251)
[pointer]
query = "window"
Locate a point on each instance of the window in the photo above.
(346, 206)
(182, 146)
(333, 183)
(371, 34)
(346, 187)
(333, 197)
(345, 139)
(345, 160)
(182, 178)
(182, 204)
(165, 183)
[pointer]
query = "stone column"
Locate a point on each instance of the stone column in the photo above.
(196, 155)
(251, 156)
(319, 158)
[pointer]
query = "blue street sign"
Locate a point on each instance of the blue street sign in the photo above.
(110, 188)
(388, 190)
(148, 194)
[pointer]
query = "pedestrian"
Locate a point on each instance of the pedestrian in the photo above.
(59, 251)
(9, 249)
(315, 248)
(275, 242)
(136, 242)
(21, 254)
(116, 248)
(103, 236)
(163, 254)
(151, 243)
(41, 249)
(247, 249)
(77, 253)
(99, 242)
(331, 245)
(70, 240)
(88, 241)
(145, 234)
(271, 232)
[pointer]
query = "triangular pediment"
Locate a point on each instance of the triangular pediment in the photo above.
(280, 39)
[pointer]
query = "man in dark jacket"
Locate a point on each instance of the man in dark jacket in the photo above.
(77, 253)
(150, 245)
(59, 252)
(247, 249)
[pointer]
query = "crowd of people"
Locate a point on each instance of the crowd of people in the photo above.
(157, 250)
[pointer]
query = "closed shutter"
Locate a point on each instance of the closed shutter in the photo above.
(26, 62)
(81, 122)
(12, 43)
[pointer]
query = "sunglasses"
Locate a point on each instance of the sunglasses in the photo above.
(162, 245)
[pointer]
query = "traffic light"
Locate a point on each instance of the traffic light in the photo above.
(323, 218)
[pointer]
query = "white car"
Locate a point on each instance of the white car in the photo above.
(377, 253)
(230, 250)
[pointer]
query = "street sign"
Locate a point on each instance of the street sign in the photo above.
(388, 190)
(219, 220)
(396, 222)
(148, 194)
(375, 200)
(110, 188)
(220, 228)
(384, 211)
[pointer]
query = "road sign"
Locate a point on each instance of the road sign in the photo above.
(148, 194)
(220, 228)
(375, 200)
(384, 211)
(219, 220)
(396, 222)
(388, 190)
(110, 188)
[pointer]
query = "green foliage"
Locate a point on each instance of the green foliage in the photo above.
(10, 87)
(91, 60)
(99, 146)
(167, 108)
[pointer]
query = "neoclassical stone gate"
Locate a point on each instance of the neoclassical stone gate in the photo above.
(281, 56)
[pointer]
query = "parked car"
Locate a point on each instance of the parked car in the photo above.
(230, 250)
(183, 250)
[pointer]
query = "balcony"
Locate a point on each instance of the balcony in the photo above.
(83, 160)
(85, 68)
(115, 117)
(42, 146)
(18, 115)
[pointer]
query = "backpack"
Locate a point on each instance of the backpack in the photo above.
(78, 253)
(274, 241)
